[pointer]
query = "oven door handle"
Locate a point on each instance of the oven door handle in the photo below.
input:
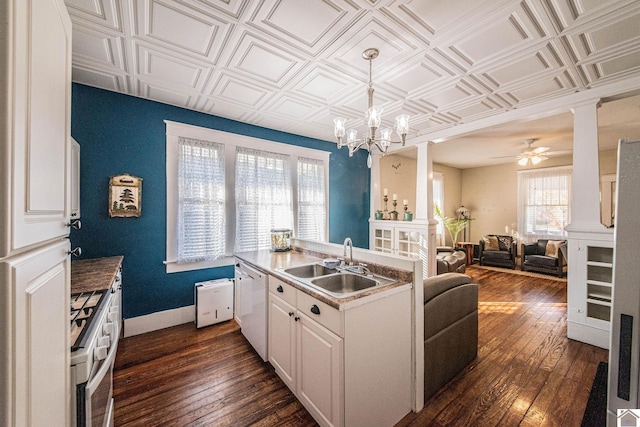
(107, 365)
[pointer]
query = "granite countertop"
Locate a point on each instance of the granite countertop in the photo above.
(268, 262)
(94, 274)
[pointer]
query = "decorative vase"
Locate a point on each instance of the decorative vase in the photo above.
(393, 216)
(379, 215)
(408, 216)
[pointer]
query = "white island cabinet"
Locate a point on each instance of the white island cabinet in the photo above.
(349, 366)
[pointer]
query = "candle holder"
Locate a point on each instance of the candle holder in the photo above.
(395, 203)
(386, 210)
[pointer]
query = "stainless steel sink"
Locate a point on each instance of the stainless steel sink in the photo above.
(337, 282)
(344, 283)
(309, 271)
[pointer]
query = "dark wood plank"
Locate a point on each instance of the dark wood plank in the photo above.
(527, 371)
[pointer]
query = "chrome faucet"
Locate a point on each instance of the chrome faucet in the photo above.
(349, 243)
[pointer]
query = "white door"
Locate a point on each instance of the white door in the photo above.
(624, 354)
(320, 386)
(282, 334)
(35, 45)
(36, 289)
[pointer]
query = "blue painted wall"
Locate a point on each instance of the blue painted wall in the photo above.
(123, 134)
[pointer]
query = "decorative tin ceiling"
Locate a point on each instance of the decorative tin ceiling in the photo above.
(293, 65)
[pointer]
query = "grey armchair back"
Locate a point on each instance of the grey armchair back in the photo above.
(450, 328)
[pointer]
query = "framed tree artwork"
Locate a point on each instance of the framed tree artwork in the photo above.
(125, 195)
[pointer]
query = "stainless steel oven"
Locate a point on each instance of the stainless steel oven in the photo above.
(95, 331)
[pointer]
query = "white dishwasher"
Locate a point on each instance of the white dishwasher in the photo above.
(253, 287)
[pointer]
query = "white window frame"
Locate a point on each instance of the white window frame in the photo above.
(523, 235)
(230, 141)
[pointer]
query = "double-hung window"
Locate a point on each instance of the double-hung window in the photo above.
(225, 192)
(544, 203)
(201, 201)
(263, 197)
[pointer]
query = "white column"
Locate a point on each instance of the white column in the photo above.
(424, 201)
(585, 187)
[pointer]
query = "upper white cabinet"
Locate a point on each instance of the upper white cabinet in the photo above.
(35, 88)
(74, 170)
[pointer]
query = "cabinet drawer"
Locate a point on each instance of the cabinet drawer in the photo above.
(327, 316)
(282, 290)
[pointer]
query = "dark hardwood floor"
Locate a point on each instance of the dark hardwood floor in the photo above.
(527, 371)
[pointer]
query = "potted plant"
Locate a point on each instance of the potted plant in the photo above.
(453, 225)
(379, 214)
(408, 216)
(393, 215)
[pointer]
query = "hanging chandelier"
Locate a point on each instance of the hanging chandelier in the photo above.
(373, 116)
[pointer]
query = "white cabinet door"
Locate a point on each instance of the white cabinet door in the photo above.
(282, 339)
(35, 292)
(320, 372)
(74, 195)
(35, 45)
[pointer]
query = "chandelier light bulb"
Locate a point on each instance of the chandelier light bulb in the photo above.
(352, 136)
(385, 137)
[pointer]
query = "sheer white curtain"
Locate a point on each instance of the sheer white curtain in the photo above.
(544, 203)
(263, 197)
(312, 216)
(438, 199)
(201, 201)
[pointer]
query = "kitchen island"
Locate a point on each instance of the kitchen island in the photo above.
(350, 360)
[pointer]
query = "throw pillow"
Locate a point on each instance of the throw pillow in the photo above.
(552, 248)
(491, 243)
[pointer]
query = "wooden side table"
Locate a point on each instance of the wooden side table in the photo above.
(468, 247)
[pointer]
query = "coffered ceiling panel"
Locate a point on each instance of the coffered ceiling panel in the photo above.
(293, 65)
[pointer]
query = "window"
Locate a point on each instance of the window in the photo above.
(312, 211)
(286, 188)
(438, 200)
(201, 201)
(544, 198)
(263, 197)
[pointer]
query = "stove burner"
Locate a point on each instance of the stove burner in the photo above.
(83, 307)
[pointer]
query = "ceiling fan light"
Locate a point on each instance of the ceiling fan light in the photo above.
(523, 161)
(536, 159)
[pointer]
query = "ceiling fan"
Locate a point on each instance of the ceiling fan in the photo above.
(532, 155)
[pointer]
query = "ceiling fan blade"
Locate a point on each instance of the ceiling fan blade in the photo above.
(540, 150)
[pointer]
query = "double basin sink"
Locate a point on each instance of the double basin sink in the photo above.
(336, 282)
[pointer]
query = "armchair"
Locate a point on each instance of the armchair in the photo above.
(545, 257)
(498, 251)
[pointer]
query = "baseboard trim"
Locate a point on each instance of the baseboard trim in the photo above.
(159, 320)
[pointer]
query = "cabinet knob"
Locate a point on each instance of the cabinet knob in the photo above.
(279, 289)
(75, 251)
(76, 224)
(290, 313)
(315, 309)
(296, 318)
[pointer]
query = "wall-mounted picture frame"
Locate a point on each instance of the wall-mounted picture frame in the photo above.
(125, 196)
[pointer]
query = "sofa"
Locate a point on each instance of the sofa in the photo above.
(449, 260)
(498, 251)
(450, 328)
(544, 256)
